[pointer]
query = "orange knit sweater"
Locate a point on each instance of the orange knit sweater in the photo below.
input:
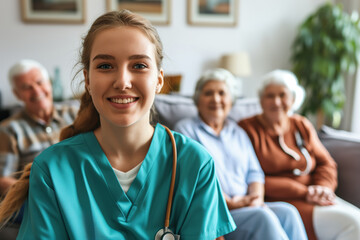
(280, 183)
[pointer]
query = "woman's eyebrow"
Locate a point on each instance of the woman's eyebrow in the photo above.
(103, 56)
(110, 57)
(139, 56)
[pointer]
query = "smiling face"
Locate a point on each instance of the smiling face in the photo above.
(123, 76)
(35, 91)
(214, 102)
(276, 101)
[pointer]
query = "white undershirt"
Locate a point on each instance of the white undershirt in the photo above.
(126, 178)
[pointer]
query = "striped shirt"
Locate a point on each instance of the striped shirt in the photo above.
(22, 138)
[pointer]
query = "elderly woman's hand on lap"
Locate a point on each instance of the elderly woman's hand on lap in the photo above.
(320, 195)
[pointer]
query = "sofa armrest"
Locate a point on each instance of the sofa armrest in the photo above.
(344, 147)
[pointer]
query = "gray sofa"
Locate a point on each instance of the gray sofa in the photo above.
(343, 146)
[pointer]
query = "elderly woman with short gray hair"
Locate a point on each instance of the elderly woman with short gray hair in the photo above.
(236, 165)
(298, 169)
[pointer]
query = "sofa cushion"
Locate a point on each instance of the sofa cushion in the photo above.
(344, 147)
(172, 107)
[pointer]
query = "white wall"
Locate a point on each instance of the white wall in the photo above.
(265, 30)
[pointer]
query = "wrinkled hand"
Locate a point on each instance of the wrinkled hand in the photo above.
(320, 195)
(244, 201)
(256, 201)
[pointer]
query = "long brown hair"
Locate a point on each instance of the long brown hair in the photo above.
(88, 118)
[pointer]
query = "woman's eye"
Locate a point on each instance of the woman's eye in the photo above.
(208, 93)
(139, 66)
(222, 93)
(283, 95)
(104, 66)
(269, 96)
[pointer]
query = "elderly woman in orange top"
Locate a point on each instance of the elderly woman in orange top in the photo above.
(297, 166)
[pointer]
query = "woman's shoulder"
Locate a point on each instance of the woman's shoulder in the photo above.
(65, 150)
(249, 123)
(186, 143)
(185, 123)
(191, 150)
(248, 120)
(235, 129)
(300, 120)
(71, 142)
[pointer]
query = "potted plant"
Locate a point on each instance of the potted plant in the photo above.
(325, 51)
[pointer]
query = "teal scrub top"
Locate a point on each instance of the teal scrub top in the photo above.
(74, 193)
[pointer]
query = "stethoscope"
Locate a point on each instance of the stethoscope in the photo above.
(295, 155)
(166, 233)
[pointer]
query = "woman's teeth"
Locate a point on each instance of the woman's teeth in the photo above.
(122, 100)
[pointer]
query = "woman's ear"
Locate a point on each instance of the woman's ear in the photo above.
(86, 77)
(261, 100)
(160, 82)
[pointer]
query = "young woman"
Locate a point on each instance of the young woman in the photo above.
(111, 179)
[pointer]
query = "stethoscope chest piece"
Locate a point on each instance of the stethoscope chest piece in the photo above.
(166, 234)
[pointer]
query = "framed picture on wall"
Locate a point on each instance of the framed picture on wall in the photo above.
(213, 12)
(157, 11)
(53, 11)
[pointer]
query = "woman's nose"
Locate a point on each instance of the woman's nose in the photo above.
(216, 97)
(122, 80)
(277, 100)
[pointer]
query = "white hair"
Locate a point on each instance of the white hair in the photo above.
(216, 74)
(288, 80)
(24, 66)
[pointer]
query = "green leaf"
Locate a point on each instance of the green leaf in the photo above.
(326, 48)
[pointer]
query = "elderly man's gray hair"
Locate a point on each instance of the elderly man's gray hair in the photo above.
(24, 66)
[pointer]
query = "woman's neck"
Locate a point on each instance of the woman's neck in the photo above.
(216, 125)
(278, 126)
(125, 147)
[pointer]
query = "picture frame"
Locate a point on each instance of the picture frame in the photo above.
(53, 11)
(157, 11)
(213, 12)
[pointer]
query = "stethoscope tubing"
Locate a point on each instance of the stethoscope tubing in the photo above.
(173, 176)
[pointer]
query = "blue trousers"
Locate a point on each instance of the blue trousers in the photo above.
(277, 221)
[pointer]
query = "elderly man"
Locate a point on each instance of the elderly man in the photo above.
(37, 126)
